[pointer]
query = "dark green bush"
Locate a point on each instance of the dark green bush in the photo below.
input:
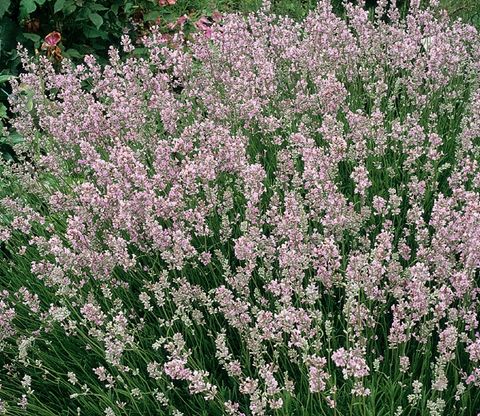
(87, 26)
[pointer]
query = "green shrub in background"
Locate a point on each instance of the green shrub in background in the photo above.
(87, 26)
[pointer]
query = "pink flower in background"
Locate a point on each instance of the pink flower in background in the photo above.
(53, 38)
(166, 2)
(50, 45)
(204, 25)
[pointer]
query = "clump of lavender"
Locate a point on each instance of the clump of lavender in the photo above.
(279, 217)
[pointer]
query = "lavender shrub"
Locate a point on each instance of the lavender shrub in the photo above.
(279, 217)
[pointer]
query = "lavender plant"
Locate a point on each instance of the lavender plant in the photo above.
(278, 217)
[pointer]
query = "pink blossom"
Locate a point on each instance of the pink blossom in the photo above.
(53, 38)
